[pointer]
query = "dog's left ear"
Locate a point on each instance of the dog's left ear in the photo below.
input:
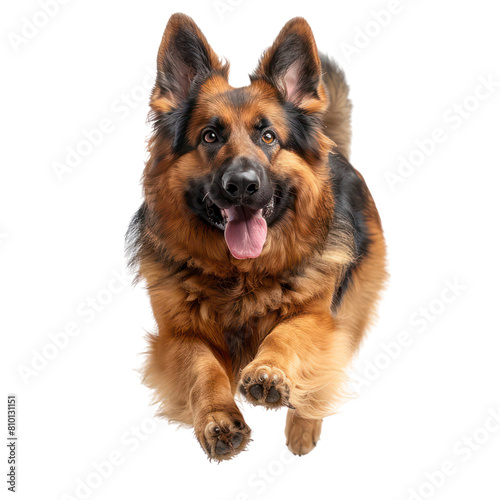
(292, 63)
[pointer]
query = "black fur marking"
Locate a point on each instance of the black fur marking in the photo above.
(284, 199)
(219, 126)
(262, 123)
(238, 97)
(304, 132)
(134, 236)
(237, 339)
(173, 126)
(350, 214)
(197, 201)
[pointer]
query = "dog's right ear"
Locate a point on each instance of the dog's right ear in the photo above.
(184, 59)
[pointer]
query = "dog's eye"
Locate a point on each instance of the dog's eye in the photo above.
(268, 137)
(209, 136)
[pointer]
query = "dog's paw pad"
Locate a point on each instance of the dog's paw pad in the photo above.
(266, 385)
(273, 396)
(256, 391)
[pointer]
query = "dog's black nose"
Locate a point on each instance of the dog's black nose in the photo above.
(240, 183)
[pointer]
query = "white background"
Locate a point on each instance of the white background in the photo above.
(61, 245)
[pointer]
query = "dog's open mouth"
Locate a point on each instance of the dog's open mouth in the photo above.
(244, 225)
(245, 228)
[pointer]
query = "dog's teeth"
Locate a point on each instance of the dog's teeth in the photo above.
(268, 209)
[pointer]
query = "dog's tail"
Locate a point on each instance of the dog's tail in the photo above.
(337, 118)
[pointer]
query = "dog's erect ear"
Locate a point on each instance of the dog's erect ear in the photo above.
(292, 63)
(184, 58)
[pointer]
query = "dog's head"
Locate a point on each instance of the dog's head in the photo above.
(227, 164)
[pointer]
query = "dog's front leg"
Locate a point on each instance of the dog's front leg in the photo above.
(300, 364)
(194, 388)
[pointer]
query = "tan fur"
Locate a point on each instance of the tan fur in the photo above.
(302, 434)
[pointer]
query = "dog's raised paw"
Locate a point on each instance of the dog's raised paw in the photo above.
(266, 386)
(224, 435)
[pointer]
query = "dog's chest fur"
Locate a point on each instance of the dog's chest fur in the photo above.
(195, 301)
(236, 313)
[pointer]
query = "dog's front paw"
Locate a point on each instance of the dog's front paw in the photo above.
(265, 385)
(223, 435)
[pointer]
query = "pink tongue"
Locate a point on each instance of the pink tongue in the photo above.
(245, 232)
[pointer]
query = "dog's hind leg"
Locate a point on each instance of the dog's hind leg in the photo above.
(193, 387)
(302, 434)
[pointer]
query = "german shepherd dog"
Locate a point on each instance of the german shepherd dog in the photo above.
(260, 245)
